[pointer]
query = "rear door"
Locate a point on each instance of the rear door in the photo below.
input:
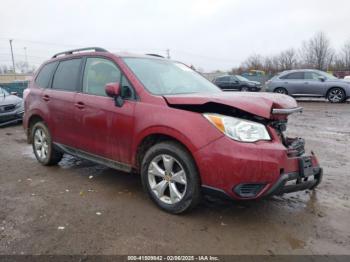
(294, 83)
(224, 82)
(105, 129)
(60, 101)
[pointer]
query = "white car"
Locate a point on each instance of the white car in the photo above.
(347, 78)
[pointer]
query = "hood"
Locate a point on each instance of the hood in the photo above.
(259, 104)
(10, 99)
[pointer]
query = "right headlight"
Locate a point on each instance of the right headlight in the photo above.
(239, 129)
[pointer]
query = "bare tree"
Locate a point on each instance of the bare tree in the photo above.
(345, 55)
(317, 52)
(22, 66)
(254, 61)
(271, 64)
(4, 69)
(287, 59)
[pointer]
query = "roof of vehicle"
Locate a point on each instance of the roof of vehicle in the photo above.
(92, 50)
(299, 70)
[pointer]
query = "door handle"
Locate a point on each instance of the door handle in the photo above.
(306, 82)
(79, 105)
(286, 82)
(46, 98)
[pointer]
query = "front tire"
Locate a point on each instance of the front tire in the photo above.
(170, 177)
(336, 95)
(43, 148)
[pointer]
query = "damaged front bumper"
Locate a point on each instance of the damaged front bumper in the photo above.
(246, 171)
(308, 177)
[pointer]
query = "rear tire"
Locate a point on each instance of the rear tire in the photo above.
(336, 95)
(43, 148)
(170, 177)
(244, 89)
(281, 90)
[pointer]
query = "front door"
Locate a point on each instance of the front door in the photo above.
(105, 129)
(315, 86)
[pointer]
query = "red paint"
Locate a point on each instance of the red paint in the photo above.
(94, 124)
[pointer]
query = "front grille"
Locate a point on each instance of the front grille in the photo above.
(7, 108)
(248, 190)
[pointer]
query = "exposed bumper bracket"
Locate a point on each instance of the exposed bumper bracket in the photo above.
(302, 182)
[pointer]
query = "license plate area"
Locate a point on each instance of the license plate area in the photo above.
(305, 166)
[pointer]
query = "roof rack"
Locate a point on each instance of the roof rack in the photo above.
(69, 52)
(156, 55)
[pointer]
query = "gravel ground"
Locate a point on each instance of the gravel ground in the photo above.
(78, 207)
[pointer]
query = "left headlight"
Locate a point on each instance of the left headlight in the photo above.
(239, 129)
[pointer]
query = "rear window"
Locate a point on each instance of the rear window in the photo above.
(67, 75)
(223, 79)
(45, 74)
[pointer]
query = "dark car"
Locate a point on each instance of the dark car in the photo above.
(163, 120)
(236, 82)
(11, 108)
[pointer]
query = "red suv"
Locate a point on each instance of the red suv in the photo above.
(160, 118)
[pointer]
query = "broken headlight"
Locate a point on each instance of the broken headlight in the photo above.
(239, 129)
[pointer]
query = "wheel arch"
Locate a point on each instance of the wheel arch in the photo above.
(148, 139)
(332, 87)
(32, 120)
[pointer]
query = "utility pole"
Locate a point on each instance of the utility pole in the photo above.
(25, 55)
(26, 59)
(168, 53)
(13, 60)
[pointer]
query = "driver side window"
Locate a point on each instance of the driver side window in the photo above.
(99, 72)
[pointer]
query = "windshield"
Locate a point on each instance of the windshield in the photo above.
(3, 92)
(165, 77)
(241, 78)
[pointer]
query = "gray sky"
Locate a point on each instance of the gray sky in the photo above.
(211, 34)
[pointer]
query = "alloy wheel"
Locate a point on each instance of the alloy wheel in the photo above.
(336, 95)
(41, 145)
(281, 91)
(167, 179)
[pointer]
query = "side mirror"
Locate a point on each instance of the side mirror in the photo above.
(113, 90)
(322, 78)
(14, 93)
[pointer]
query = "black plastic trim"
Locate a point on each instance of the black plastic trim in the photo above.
(216, 192)
(280, 186)
(94, 158)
